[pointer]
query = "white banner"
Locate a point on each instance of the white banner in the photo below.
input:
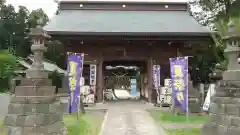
(166, 92)
(210, 93)
(156, 80)
(93, 74)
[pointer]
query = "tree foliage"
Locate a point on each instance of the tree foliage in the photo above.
(215, 14)
(8, 64)
(14, 28)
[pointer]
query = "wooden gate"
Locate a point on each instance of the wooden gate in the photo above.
(118, 82)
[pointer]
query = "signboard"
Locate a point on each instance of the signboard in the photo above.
(92, 89)
(179, 81)
(93, 74)
(88, 98)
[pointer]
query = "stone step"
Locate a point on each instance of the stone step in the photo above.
(36, 82)
(35, 91)
(31, 108)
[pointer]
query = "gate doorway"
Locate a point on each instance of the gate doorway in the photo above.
(118, 76)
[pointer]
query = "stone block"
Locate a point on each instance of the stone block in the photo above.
(35, 91)
(209, 128)
(194, 106)
(233, 130)
(36, 82)
(214, 108)
(55, 107)
(5, 130)
(27, 109)
(55, 117)
(26, 120)
(29, 130)
(235, 121)
(38, 100)
(54, 128)
(222, 109)
(11, 130)
(225, 120)
(37, 74)
(222, 129)
(43, 108)
(63, 91)
(232, 110)
(64, 105)
(10, 120)
(214, 118)
(14, 108)
(18, 100)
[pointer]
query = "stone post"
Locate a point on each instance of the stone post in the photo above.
(224, 107)
(34, 109)
(63, 93)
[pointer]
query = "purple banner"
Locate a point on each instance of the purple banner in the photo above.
(154, 70)
(156, 80)
(156, 76)
(75, 64)
(179, 81)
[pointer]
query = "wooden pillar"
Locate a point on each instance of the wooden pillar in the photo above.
(100, 80)
(150, 78)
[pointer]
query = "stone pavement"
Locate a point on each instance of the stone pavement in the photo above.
(4, 100)
(181, 126)
(129, 118)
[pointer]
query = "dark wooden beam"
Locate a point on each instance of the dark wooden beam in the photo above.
(135, 38)
(124, 6)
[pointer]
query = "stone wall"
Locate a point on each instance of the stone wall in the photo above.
(224, 110)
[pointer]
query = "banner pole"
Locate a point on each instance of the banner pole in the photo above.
(187, 109)
(70, 98)
(78, 114)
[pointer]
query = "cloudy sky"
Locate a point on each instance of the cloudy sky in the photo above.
(50, 7)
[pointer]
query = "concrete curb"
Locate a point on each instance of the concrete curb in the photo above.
(103, 124)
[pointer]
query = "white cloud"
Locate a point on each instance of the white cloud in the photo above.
(49, 6)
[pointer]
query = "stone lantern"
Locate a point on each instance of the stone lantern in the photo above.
(216, 75)
(224, 107)
(233, 53)
(38, 36)
(34, 109)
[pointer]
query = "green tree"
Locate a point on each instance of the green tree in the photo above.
(8, 64)
(36, 15)
(21, 44)
(56, 53)
(7, 25)
(216, 15)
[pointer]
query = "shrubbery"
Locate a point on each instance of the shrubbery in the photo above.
(56, 78)
(8, 64)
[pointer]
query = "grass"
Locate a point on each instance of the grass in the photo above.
(183, 132)
(88, 124)
(167, 117)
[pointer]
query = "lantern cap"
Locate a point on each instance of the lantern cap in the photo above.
(232, 34)
(38, 32)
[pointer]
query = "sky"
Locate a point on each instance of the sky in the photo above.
(50, 7)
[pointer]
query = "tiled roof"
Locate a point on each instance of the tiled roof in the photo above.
(102, 21)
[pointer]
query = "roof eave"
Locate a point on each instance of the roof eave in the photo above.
(126, 2)
(131, 33)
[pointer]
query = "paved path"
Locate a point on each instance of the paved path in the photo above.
(129, 118)
(4, 101)
(181, 126)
